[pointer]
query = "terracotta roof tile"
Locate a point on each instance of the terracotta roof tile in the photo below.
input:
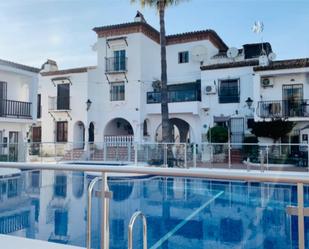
(284, 64)
(231, 65)
(152, 33)
(67, 71)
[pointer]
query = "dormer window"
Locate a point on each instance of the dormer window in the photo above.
(183, 57)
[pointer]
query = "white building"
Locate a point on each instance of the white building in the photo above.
(118, 99)
(18, 106)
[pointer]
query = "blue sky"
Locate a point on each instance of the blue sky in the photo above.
(34, 30)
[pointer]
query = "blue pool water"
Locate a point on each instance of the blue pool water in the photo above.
(181, 212)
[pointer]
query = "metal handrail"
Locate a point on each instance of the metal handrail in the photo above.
(89, 213)
(130, 229)
(240, 175)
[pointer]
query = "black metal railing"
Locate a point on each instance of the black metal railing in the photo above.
(116, 64)
(59, 103)
(15, 109)
(174, 96)
(283, 108)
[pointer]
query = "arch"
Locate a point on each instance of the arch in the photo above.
(91, 132)
(79, 135)
(118, 127)
(182, 132)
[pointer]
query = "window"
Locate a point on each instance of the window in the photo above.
(145, 128)
(183, 57)
(229, 91)
(117, 91)
(39, 111)
(63, 97)
(61, 222)
(36, 134)
(62, 131)
(60, 187)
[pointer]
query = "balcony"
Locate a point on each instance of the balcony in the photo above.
(59, 103)
(174, 96)
(15, 109)
(283, 108)
(116, 64)
(180, 101)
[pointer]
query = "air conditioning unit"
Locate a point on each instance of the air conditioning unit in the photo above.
(267, 82)
(210, 89)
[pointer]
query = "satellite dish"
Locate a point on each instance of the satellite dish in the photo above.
(232, 53)
(272, 56)
(199, 53)
(263, 60)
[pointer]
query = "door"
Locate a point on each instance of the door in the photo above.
(292, 100)
(13, 146)
(3, 93)
(237, 131)
(63, 97)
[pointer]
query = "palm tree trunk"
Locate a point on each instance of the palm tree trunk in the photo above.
(166, 129)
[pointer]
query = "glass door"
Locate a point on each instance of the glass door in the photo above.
(120, 60)
(292, 100)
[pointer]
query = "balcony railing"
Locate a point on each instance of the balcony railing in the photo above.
(59, 103)
(283, 108)
(174, 96)
(15, 109)
(116, 64)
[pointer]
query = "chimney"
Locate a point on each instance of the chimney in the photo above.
(49, 66)
(139, 17)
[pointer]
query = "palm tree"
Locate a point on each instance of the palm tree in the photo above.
(161, 5)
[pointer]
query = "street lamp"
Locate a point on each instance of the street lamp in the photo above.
(249, 102)
(88, 103)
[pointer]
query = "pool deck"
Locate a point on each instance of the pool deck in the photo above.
(12, 242)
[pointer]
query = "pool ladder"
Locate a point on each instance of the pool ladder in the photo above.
(108, 195)
(130, 229)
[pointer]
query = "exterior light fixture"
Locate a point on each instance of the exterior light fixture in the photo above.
(88, 103)
(249, 102)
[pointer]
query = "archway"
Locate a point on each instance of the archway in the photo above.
(118, 131)
(79, 135)
(91, 133)
(181, 131)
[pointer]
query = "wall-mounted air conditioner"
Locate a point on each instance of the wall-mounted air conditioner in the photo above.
(210, 89)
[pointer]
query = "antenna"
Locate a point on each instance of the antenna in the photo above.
(258, 28)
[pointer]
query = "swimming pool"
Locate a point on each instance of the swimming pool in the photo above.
(181, 212)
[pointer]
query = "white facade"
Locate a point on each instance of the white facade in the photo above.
(122, 99)
(18, 101)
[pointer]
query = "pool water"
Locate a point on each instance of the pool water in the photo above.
(180, 212)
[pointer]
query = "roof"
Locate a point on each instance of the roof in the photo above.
(247, 63)
(284, 64)
(67, 71)
(19, 66)
(152, 33)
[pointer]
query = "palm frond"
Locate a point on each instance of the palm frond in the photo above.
(155, 3)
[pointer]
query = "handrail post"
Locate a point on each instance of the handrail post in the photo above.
(165, 155)
(229, 151)
(301, 225)
(194, 155)
(135, 153)
(105, 216)
(89, 212)
(185, 155)
(130, 229)
(267, 154)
